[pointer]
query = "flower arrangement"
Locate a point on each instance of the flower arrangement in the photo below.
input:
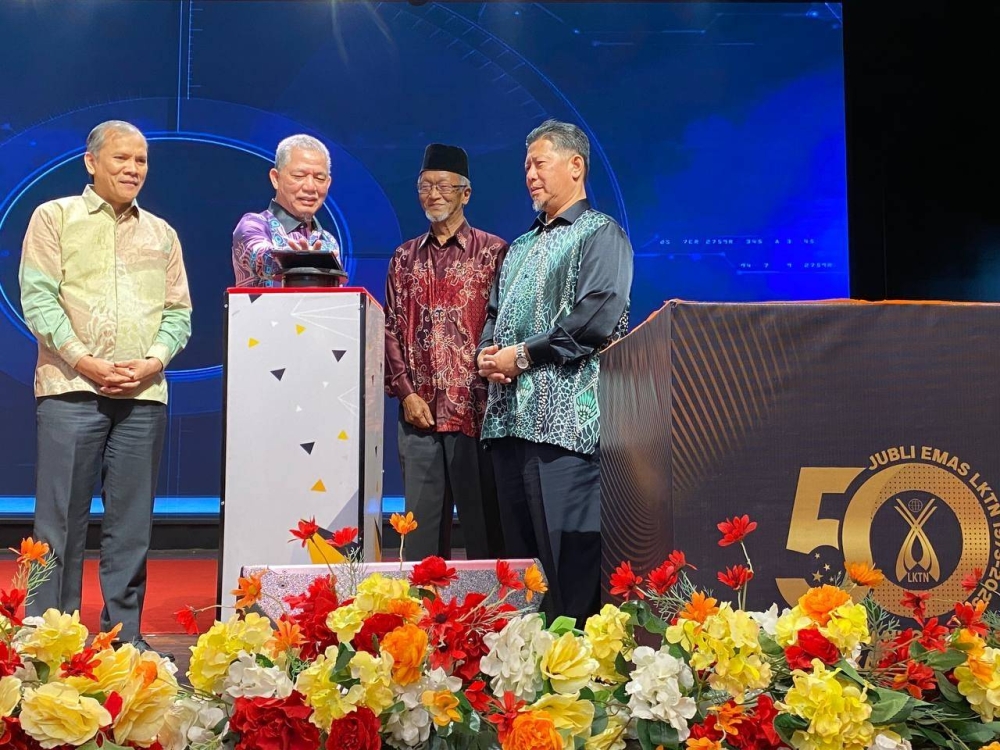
(58, 691)
(400, 664)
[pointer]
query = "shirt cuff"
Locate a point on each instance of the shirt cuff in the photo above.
(403, 388)
(73, 351)
(161, 352)
(539, 349)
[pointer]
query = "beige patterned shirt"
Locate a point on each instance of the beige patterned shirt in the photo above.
(112, 287)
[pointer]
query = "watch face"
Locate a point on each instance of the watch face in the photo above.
(522, 363)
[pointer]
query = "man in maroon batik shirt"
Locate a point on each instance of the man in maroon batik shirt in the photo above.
(435, 307)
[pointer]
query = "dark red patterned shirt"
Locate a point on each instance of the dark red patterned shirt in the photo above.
(435, 308)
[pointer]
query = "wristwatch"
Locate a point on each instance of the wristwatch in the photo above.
(521, 358)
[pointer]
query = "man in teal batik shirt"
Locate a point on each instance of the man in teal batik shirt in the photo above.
(561, 296)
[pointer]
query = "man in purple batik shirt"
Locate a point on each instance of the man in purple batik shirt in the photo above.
(301, 179)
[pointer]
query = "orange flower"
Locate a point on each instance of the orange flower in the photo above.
(534, 582)
(408, 609)
(728, 717)
(700, 608)
(408, 646)
(147, 672)
(104, 640)
(970, 642)
(703, 743)
(248, 590)
(287, 636)
(533, 730)
(31, 551)
(864, 574)
(403, 524)
(443, 707)
(819, 602)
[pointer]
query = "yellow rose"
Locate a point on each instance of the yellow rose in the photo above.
(345, 622)
(375, 675)
(442, 705)
(376, 591)
(55, 640)
(568, 664)
(146, 698)
(607, 634)
(408, 646)
(612, 738)
(572, 717)
(55, 714)
(220, 646)
(10, 695)
(111, 674)
(323, 695)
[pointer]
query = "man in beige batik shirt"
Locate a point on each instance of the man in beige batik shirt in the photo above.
(104, 290)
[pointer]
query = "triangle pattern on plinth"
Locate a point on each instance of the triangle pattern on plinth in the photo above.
(254, 297)
(279, 374)
(339, 353)
(299, 329)
(342, 435)
(252, 343)
(307, 447)
(319, 486)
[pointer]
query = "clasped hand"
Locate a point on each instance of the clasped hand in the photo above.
(498, 365)
(116, 378)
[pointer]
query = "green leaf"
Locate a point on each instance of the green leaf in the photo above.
(770, 646)
(787, 724)
(891, 707)
(562, 625)
(972, 731)
(946, 660)
(849, 671)
(621, 664)
(949, 691)
(653, 733)
(600, 722)
(42, 670)
(344, 656)
(938, 739)
(263, 661)
(620, 694)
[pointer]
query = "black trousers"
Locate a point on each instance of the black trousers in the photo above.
(550, 508)
(442, 470)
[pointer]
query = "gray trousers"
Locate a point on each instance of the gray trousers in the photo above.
(83, 438)
(442, 470)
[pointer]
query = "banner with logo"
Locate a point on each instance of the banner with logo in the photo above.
(848, 431)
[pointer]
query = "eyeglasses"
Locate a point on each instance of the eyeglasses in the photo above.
(445, 189)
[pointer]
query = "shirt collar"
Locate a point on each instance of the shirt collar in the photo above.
(569, 216)
(95, 203)
(461, 236)
(288, 222)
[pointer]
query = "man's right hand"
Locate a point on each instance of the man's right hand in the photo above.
(303, 246)
(417, 412)
(102, 372)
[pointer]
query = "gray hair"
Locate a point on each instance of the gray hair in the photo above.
(564, 136)
(95, 141)
(305, 142)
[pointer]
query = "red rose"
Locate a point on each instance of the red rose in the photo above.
(309, 613)
(375, 627)
(13, 737)
(274, 724)
(812, 645)
(432, 571)
(359, 730)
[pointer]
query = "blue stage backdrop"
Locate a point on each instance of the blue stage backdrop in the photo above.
(717, 136)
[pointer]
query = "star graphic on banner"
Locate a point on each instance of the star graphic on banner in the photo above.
(828, 566)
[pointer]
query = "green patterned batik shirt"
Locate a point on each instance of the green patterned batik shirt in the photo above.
(538, 301)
